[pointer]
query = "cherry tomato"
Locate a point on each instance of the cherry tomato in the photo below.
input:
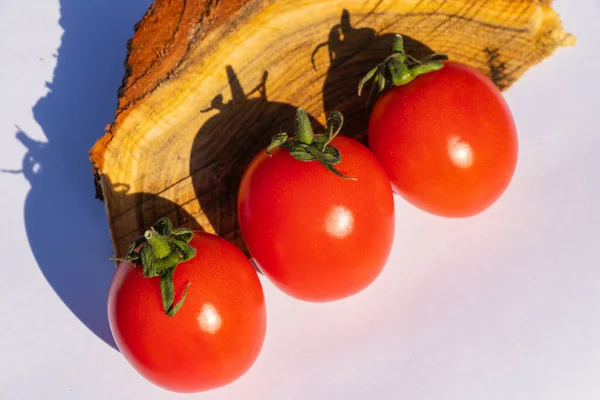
(216, 335)
(447, 140)
(317, 236)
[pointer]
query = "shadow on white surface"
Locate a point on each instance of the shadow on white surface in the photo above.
(66, 226)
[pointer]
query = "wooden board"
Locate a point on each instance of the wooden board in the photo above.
(209, 82)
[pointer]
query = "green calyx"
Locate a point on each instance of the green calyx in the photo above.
(402, 68)
(306, 146)
(162, 249)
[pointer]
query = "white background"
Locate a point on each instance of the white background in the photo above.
(502, 306)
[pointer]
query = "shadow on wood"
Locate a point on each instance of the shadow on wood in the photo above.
(217, 165)
(353, 52)
(150, 209)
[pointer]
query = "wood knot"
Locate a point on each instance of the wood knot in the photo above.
(497, 68)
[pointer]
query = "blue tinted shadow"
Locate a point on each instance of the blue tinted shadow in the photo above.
(66, 226)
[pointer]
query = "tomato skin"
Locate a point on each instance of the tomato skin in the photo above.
(316, 236)
(447, 140)
(216, 335)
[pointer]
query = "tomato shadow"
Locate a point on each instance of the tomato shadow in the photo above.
(353, 52)
(66, 226)
(142, 210)
(227, 142)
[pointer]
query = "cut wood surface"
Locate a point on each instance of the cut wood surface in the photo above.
(208, 82)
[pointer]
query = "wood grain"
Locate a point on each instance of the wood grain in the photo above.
(207, 84)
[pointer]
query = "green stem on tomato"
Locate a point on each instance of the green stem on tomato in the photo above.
(305, 132)
(306, 146)
(158, 243)
(398, 46)
(160, 250)
(402, 68)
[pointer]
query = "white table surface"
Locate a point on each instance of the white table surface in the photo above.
(502, 306)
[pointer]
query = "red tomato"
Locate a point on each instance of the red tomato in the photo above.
(447, 140)
(317, 236)
(216, 335)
